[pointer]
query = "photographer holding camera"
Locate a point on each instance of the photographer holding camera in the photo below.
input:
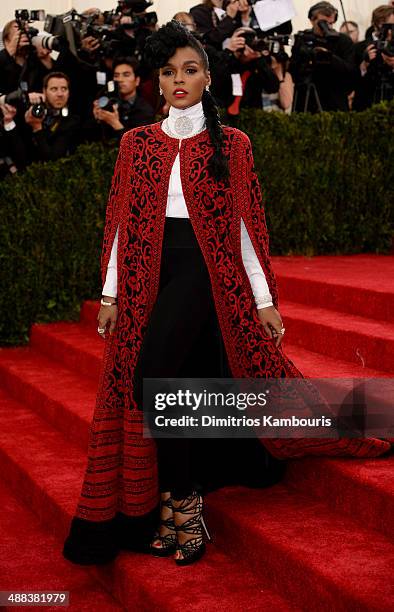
(123, 108)
(217, 20)
(17, 59)
(322, 64)
(375, 57)
(256, 68)
(54, 131)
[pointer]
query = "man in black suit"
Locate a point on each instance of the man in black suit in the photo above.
(54, 133)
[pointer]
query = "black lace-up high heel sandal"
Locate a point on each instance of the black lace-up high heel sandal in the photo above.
(193, 548)
(168, 542)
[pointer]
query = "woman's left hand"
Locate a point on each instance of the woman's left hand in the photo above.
(272, 322)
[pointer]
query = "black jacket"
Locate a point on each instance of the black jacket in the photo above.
(58, 138)
(11, 73)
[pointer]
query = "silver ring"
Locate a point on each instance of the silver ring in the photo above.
(101, 330)
(282, 331)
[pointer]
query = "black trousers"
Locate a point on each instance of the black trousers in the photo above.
(183, 339)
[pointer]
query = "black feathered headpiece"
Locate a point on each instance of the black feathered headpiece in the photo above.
(162, 44)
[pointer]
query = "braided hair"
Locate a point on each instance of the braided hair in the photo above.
(159, 48)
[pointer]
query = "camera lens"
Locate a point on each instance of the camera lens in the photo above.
(103, 101)
(38, 110)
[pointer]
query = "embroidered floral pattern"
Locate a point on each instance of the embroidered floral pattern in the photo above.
(121, 473)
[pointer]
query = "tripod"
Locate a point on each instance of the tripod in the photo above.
(384, 89)
(310, 90)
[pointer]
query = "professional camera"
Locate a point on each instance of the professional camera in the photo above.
(309, 52)
(109, 96)
(36, 38)
(306, 41)
(383, 74)
(258, 41)
(39, 110)
(127, 7)
(105, 34)
(18, 98)
(135, 9)
(26, 15)
(385, 42)
(72, 27)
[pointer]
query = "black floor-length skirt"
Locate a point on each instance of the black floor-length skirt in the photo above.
(183, 339)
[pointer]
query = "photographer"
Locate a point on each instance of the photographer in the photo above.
(134, 27)
(126, 109)
(322, 64)
(375, 57)
(81, 76)
(97, 42)
(217, 20)
(123, 34)
(54, 130)
(16, 59)
(25, 59)
(255, 69)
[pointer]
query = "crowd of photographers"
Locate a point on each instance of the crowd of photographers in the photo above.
(83, 77)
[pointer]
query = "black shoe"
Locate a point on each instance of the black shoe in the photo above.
(169, 541)
(194, 548)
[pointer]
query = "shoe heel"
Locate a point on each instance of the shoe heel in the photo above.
(206, 530)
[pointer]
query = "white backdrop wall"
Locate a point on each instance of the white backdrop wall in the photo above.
(357, 10)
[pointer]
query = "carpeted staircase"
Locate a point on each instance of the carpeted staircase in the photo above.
(322, 539)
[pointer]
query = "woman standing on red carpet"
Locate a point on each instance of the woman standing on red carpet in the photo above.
(188, 291)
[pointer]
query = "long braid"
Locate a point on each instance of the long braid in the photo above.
(218, 164)
(159, 47)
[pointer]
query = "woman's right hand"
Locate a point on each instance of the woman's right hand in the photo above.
(107, 317)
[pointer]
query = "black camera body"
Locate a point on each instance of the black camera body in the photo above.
(135, 9)
(39, 110)
(23, 17)
(26, 16)
(385, 43)
(109, 96)
(139, 21)
(307, 43)
(18, 98)
(274, 44)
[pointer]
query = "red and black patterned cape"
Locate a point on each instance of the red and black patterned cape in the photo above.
(121, 472)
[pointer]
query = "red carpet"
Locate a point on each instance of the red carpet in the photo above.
(321, 539)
